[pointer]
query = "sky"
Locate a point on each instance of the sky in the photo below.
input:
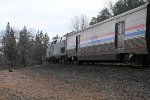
(50, 16)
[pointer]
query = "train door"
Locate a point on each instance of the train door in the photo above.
(120, 35)
(77, 43)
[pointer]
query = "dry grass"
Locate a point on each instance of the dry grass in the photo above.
(27, 84)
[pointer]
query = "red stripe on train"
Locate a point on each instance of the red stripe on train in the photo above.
(111, 33)
(135, 27)
(127, 29)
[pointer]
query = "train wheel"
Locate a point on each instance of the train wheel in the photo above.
(62, 61)
(145, 62)
(75, 60)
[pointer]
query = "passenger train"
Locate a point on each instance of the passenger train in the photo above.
(123, 38)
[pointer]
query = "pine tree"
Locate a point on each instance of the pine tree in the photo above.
(23, 46)
(124, 5)
(41, 42)
(9, 45)
(103, 15)
(119, 7)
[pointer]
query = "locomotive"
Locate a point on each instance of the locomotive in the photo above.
(123, 38)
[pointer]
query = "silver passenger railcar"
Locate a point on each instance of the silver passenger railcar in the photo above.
(125, 37)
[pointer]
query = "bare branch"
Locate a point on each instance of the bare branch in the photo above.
(78, 23)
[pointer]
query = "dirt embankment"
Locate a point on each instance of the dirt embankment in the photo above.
(74, 82)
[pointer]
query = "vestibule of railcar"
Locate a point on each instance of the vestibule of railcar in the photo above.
(148, 28)
(137, 37)
(147, 36)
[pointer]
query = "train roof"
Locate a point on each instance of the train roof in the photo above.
(112, 18)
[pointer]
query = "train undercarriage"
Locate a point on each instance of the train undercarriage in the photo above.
(124, 58)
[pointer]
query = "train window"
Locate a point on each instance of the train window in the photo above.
(119, 37)
(63, 50)
(123, 27)
(120, 28)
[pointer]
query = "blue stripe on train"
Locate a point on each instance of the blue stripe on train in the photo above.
(110, 39)
(135, 33)
(97, 41)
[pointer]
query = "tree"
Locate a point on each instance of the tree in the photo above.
(45, 45)
(23, 45)
(45, 42)
(41, 42)
(83, 22)
(1, 37)
(9, 45)
(23, 48)
(103, 15)
(124, 5)
(79, 22)
(119, 7)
